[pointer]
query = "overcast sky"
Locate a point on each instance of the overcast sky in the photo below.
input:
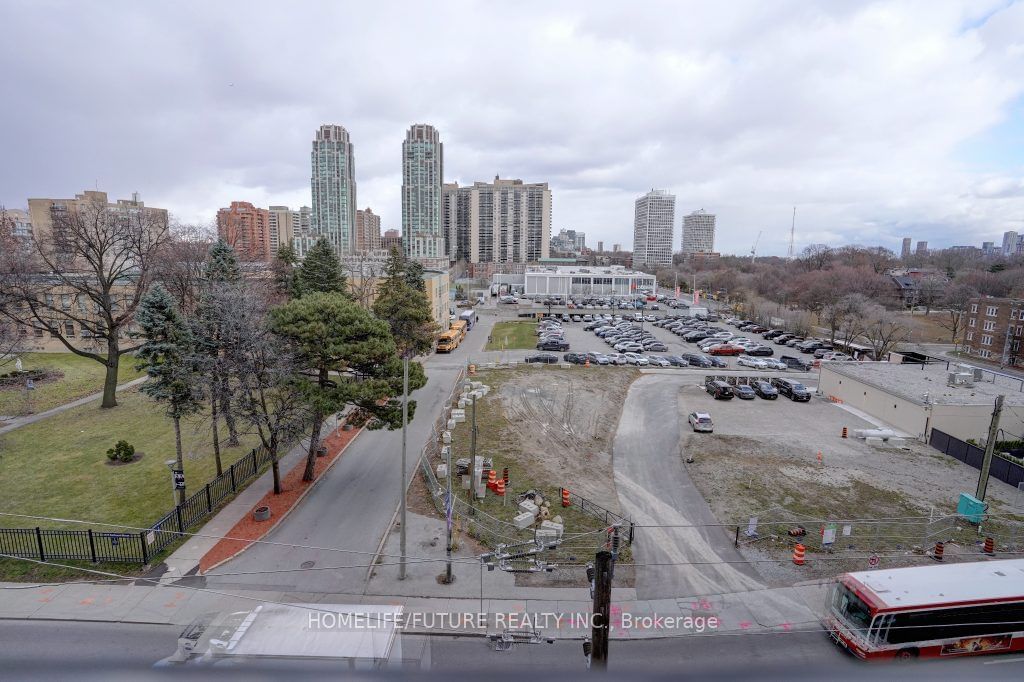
(877, 120)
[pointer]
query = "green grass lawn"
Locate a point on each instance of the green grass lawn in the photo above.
(510, 335)
(82, 377)
(58, 467)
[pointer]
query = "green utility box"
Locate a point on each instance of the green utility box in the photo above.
(971, 508)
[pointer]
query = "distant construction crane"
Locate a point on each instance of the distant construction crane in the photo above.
(792, 233)
(753, 249)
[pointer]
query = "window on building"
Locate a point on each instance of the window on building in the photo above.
(974, 307)
(972, 322)
(989, 325)
(970, 336)
(991, 310)
(69, 329)
(986, 340)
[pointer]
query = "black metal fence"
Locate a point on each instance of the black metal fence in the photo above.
(972, 455)
(610, 518)
(135, 547)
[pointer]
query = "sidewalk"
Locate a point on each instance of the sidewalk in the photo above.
(17, 423)
(185, 560)
(768, 610)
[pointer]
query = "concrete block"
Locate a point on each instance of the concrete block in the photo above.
(565, 365)
(462, 405)
(872, 440)
(465, 481)
(459, 419)
(545, 536)
(446, 437)
(476, 384)
(528, 506)
(523, 521)
(556, 528)
(458, 413)
(442, 471)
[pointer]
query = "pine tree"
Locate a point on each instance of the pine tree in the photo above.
(348, 358)
(284, 272)
(222, 264)
(404, 306)
(320, 271)
(168, 357)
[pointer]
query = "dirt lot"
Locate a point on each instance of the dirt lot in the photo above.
(762, 460)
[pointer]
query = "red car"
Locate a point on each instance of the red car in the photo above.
(726, 349)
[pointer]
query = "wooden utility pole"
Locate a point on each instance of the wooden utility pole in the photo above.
(603, 568)
(472, 460)
(990, 447)
(405, 425)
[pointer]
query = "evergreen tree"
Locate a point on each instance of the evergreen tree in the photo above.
(404, 306)
(222, 264)
(348, 358)
(320, 271)
(284, 271)
(168, 357)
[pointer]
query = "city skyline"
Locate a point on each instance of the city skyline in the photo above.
(775, 137)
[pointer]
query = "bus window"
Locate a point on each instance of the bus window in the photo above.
(851, 609)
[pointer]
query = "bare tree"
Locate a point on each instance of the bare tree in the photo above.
(362, 275)
(815, 256)
(179, 267)
(957, 299)
(88, 276)
(847, 314)
(930, 290)
(884, 331)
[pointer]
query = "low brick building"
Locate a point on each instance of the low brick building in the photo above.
(994, 329)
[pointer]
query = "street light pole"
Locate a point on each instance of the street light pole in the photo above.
(405, 424)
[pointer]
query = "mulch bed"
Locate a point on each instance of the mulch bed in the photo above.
(246, 531)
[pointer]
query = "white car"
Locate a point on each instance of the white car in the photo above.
(658, 361)
(748, 361)
(701, 422)
(774, 364)
(616, 358)
(634, 359)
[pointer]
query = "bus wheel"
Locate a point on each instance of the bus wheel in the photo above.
(906, 654)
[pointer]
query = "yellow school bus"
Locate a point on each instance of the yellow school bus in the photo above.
(448, 341)
(460, 327)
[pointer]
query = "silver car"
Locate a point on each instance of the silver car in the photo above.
(701, 422)
(634, 359)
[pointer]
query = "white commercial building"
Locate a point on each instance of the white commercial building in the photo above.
(655, 214)
(698, 232)
(613, 280)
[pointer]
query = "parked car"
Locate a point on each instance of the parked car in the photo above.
(719, 390)
(543, 358)
(598, 359)
(835, 356)
(792, 389)
(794, 362)
(701, 422)
(760, 351)
(765, 390)
(820, 352)
(656, 347)
(697, 360)
(657, 361)
(716, 361)
(677, 361)
(744, 392)
(725, 349)
(635, 359)
(747, 361)
(781, 339)
(773, 333)
(575, 358)
(617, 358)
(776, 364)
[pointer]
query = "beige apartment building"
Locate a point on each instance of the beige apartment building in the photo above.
(42, 212)
(284, 225)
(367, 237)
(365, 273)
(505, 221)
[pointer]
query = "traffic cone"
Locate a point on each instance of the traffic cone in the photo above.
(937, 553)
(845, 432)
(565, 497)
(492, 477)
(990, 546)
(500, 487)
(504, 475)
(819, 457)
(798, 554)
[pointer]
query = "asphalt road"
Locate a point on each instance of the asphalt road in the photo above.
(654, 489)
(352, 505)
(56, 649)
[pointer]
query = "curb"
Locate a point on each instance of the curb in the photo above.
(298, 501)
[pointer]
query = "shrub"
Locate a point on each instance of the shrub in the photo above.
(121, 452)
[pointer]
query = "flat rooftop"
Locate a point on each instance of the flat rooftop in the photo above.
(619, 270)
(913, 381)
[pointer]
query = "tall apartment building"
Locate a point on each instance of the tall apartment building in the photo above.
(289, 227)
(600, 246)
(655, 213)
(995, 329)
(247, 229)
(905, 251)
(42, 211)
(15, 223)
(449, 219)
(1011, 243)
(392, 239)
(422, 176)
(507, 221)
(367, 230)
(922, 249)
(333, 182)
(698, 232)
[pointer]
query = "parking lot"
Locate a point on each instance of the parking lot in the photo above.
(581, 341)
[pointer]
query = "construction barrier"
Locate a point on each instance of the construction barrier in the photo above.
(990, 546)
(504, 475)
(798, 554)
(565, 497)
(845, 432)
(500, 487)
(937, 553)
(492, 478)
